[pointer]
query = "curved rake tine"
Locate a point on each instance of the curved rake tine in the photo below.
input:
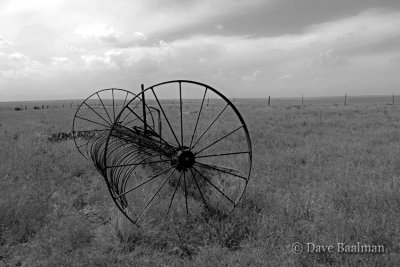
(131, 141)
(140, 163)
(85, 143)
(145, 182)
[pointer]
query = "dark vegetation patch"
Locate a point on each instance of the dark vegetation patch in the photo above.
(63, 136)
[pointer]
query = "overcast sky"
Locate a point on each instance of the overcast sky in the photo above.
(67, 49)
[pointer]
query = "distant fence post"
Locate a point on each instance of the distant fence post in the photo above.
(269, 100)
(393, 99)
(302, 99)
(345, 99)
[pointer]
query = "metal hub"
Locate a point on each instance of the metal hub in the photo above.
(186, 159)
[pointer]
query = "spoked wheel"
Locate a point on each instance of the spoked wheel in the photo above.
(95, 116)
(196, 158)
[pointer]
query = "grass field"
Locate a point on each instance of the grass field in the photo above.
(322, 174)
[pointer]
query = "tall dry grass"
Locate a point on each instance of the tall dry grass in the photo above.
(321, 174)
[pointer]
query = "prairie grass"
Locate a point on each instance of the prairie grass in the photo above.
(321, 173)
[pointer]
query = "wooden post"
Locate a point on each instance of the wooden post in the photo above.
(269, 100)
(345, 99)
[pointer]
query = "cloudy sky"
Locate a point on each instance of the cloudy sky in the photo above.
(67, 49)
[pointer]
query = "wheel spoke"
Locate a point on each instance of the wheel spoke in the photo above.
(186, 202)
(123, 104)
(173, 195)
(165, 116)
(112, 92)
(145, 182)
(95, 112)
(219, 190)
(127, 114)
(136, 119)
(198, 117)
(213, 143)
(209, 126)
(107, 126)
(223, 154)
(180, 104)
(140, 119)
(158, 190)
(220, 169)
(198, 188)
(101, 101)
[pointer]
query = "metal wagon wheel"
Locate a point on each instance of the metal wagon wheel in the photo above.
(199, 160)
(94, 117)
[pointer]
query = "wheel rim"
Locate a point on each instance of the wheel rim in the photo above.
(202, 160)
(95, 116)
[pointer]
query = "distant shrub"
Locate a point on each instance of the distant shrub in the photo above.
(36, 107)
(17, 108)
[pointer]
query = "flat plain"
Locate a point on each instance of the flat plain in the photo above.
(323, 173)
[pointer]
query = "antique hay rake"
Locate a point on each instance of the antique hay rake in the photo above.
(178, 147)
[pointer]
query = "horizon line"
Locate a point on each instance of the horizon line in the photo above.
(230, 98)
